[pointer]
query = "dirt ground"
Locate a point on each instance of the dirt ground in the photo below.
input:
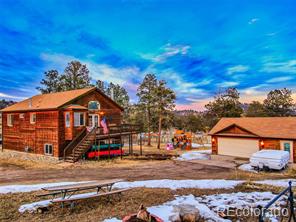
(13, 173)
(150, 170)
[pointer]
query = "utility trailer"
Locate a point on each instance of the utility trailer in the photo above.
(270, 159)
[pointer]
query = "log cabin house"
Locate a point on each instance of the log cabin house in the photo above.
(50, 124)
(241, 137)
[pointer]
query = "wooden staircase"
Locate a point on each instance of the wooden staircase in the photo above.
(79, 145)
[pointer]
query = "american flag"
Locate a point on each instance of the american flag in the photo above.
(104, 125)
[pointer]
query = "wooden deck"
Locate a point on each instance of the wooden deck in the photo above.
(81, 143)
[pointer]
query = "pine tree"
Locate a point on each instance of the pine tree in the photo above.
(76, 76)
(225, 104)
(101, 85)
(279, 102)
(5, 103)
(147, 99)
(120, 94)
(165, 101)
(51, 83)
(255, 109)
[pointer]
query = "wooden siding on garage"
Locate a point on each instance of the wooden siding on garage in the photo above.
(235, 130)
(273, 144)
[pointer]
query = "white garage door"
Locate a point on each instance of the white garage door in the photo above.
(237, 147)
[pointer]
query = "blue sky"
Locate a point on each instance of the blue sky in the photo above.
(198, 47)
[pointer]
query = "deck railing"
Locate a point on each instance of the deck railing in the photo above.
(119, 129)
(288, 191)
(69, 148)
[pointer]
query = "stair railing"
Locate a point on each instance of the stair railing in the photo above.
(74, 142)
(290, 201)
(93, 131)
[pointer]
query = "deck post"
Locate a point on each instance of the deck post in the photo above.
(109, 145)
(120, 143)
(129, 144)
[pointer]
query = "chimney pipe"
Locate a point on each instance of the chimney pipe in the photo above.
(30, 103)
(112, 93)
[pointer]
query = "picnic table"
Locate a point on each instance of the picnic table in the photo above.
(66, 192)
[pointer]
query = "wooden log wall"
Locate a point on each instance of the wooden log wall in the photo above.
(24, 134)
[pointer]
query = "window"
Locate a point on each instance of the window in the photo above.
(48, 149)
(94, 105)
(67, 119)
(79, 119)
(9, 119)
(32, 118)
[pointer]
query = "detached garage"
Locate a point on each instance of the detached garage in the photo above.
(241, 137)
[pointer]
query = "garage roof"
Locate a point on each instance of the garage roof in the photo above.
(268, 127)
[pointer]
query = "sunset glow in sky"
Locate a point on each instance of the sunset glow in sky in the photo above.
(198, 47)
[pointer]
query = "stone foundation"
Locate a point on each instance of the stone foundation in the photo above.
(7, 154)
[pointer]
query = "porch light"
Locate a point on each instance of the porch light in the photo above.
(262, 143)
(101, 113)
(213, 140)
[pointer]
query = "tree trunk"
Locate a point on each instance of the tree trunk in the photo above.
(159, 132)
(149, 122)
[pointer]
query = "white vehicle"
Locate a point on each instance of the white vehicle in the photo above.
(270, 159)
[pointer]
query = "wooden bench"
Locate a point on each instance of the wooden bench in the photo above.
(49, 194)
(72, 199)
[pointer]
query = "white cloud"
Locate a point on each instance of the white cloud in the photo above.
(237, 69)
(204, 82)
(285, 67)
(108, 73)
(181, 85)
(279, 79)
(167, 51)
(3, 95)
(253, 20)
(227, 84)
(104, 72)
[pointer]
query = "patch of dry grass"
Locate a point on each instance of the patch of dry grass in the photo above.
(86, 210)
(100, 208)
(16, 163)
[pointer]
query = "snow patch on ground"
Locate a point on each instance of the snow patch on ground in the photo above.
(196, 155)
(196, 145)
(247, 167)
(33, 187)
(112, 220)
(166, 210)
(32, 207)
(179, 184)
(210, 205)
(277, 183)
(240, 200)
(165, 183)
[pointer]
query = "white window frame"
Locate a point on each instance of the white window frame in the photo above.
(77, 122)
(47, 145)
(9, 119)
(67, 119)
(33, 118)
